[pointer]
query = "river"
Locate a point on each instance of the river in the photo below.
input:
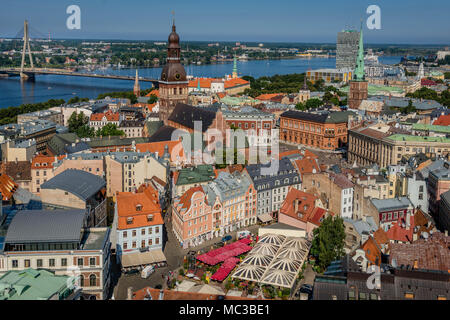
(13, 92)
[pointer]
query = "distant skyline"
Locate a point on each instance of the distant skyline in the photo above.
(402, 21)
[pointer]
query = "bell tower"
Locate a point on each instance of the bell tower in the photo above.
(173, 84)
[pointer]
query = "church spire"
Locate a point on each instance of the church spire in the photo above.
(359, 74)
(137, 88)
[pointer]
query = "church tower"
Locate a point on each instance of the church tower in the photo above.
(359, 87)
(137, 88)
(173, 85)
(235, 71)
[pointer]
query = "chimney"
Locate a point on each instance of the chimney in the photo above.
(408, 221)
(130, 293)
(296, 205)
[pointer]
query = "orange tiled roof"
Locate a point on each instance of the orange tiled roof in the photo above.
(372, 250)
(442, 121)
(110, 116)
(230, 83)
(204, 82)
(7, 187)
(423, 165)
(307, 154)
(127, 207)
(221, 94)
(44, 162)
(380, 237)
(306, 204)
(154, 92)
(185, 199)
(268, 96)
(307, 165)
(159, 147)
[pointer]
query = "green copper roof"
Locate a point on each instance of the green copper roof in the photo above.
(359, 74)
(375, 90)
(430, 127)
(233, 101)
(235, 65)
(201, 173)
(31, 284)
(411, 138)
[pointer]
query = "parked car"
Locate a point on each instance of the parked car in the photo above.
(306, 290)
(227, 238)
(131, 272)
(147, 271)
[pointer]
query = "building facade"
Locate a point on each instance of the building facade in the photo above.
(321, 131)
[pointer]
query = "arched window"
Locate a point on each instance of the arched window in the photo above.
(92, 280)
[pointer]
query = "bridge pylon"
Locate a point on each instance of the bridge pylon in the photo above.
(26, 45)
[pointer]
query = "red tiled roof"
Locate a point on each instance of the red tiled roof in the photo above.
(110, 116)
(443, 121)
(157, 294)
(306, 204)
(398, 233)
(429, 254)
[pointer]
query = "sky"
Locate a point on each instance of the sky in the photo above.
(402, 21)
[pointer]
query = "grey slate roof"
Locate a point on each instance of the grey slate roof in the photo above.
(185, 115)
(391, 204)
(46, 226)
(325, 117)
(80, 183)
(285, 166)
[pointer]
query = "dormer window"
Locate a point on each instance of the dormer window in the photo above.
(130, 220)
(139, 207)
(150, 217)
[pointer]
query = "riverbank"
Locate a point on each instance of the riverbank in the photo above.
(13, 92)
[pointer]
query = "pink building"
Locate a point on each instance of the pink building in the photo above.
(192, 220)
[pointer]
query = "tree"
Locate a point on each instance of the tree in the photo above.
(328, 242)
(78, 123)
(313, 103)
(300, 106)
(109, 130)
(153, 98)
